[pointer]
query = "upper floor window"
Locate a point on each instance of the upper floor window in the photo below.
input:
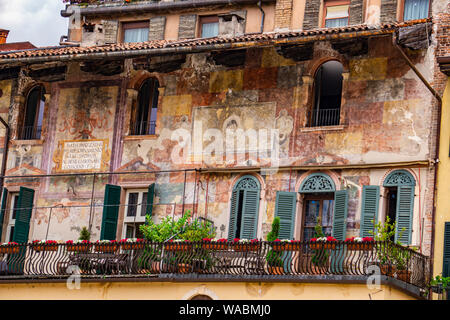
(415, 9)
(209, 26)
(327, 95)
(34, 114)
(144, 119)
(336, 13)
(135, 31)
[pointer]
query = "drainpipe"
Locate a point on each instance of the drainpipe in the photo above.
(5, 154)
(438, 136)
(262, 17)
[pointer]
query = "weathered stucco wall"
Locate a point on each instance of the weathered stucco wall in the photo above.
(385, 119)
(186, 291)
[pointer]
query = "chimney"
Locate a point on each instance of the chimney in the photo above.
(231, 25)
(3, 35)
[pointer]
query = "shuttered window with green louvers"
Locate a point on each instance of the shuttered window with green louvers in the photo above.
(3, 210)
(340, 214)
(23, 215)
(285, 208)
(369, 210)
(110, 212)
(150, 197)
(244, 208)
(405, 206)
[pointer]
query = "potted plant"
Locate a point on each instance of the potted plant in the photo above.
(440, 284)
(358, 243)
(401, 259)
(132, 243)
(212, 244)
(106, 246)
(246, 245)
(320, 255)
(78, 245)
(323, 243)
(9, 247)
(273, 257)
(286, 245)
(45, 245)
(178, 245)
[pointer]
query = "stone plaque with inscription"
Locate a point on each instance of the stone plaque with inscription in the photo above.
(81, 155)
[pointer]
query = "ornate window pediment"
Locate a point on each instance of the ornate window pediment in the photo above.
(399, 178)
(247, 182)
(317, 182)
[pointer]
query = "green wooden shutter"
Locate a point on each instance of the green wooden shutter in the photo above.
(250, 214)
(405, 207)
(446, 260)
(233, 215)
(2, 210)
(369, 210)
(110, 212)
(150, 196)
(285, 209)
(340, 214)
(23, 215)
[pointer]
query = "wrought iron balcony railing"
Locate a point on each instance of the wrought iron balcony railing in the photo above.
(215, 259)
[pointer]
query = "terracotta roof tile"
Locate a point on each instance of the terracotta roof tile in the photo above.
(256, 37)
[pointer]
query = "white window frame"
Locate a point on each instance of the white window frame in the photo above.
(138, 218)
(11, 222)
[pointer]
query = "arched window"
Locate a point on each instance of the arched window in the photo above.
(244, 208)
(400, 185)
(34, 114)
(327, 95)
(144, 118)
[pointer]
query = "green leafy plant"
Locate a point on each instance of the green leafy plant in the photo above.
(85, 234)
(439, 284)
(273, 258)
(320, 256)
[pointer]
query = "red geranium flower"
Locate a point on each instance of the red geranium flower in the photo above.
(236, 240)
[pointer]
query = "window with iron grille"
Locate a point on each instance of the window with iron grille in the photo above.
(31, 127)
(144, 119)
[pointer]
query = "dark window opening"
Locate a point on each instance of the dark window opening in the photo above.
(132, 204)
(239, 214)
(391, 209)
(319, 209)
(34, 115)
(327, 95)
(145, 118)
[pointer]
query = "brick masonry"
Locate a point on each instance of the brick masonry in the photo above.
(283, 14)
(356, 12)
(110, 28)
(311, 18)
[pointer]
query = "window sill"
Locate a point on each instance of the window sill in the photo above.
(141, 137)
(323, 128)
(28, 142)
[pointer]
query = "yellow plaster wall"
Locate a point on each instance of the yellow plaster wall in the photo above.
(443, 187)
(186, 290)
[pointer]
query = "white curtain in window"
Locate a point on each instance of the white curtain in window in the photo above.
(210, 30)
(332, 23)
(136, 35)
(337, 12)
(415, 9)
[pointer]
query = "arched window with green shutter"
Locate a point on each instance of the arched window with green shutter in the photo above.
(244, 208)
(400, 185)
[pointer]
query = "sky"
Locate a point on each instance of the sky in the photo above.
(36, 21)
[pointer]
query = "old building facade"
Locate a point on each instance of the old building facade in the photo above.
(309, 110)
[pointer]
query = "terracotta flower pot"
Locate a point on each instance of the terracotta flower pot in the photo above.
(11, 249)
(184, 268)
(387, 269)
(132, 246)
(404, 275)
(214, 246)
(246, 247)
(178, 246)
(285, 247)
(276, 270)
(78, 247)
(322, 245)
(362, 246)
(45, 248)
(106, 248)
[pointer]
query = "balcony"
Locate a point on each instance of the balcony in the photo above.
(263, 261)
